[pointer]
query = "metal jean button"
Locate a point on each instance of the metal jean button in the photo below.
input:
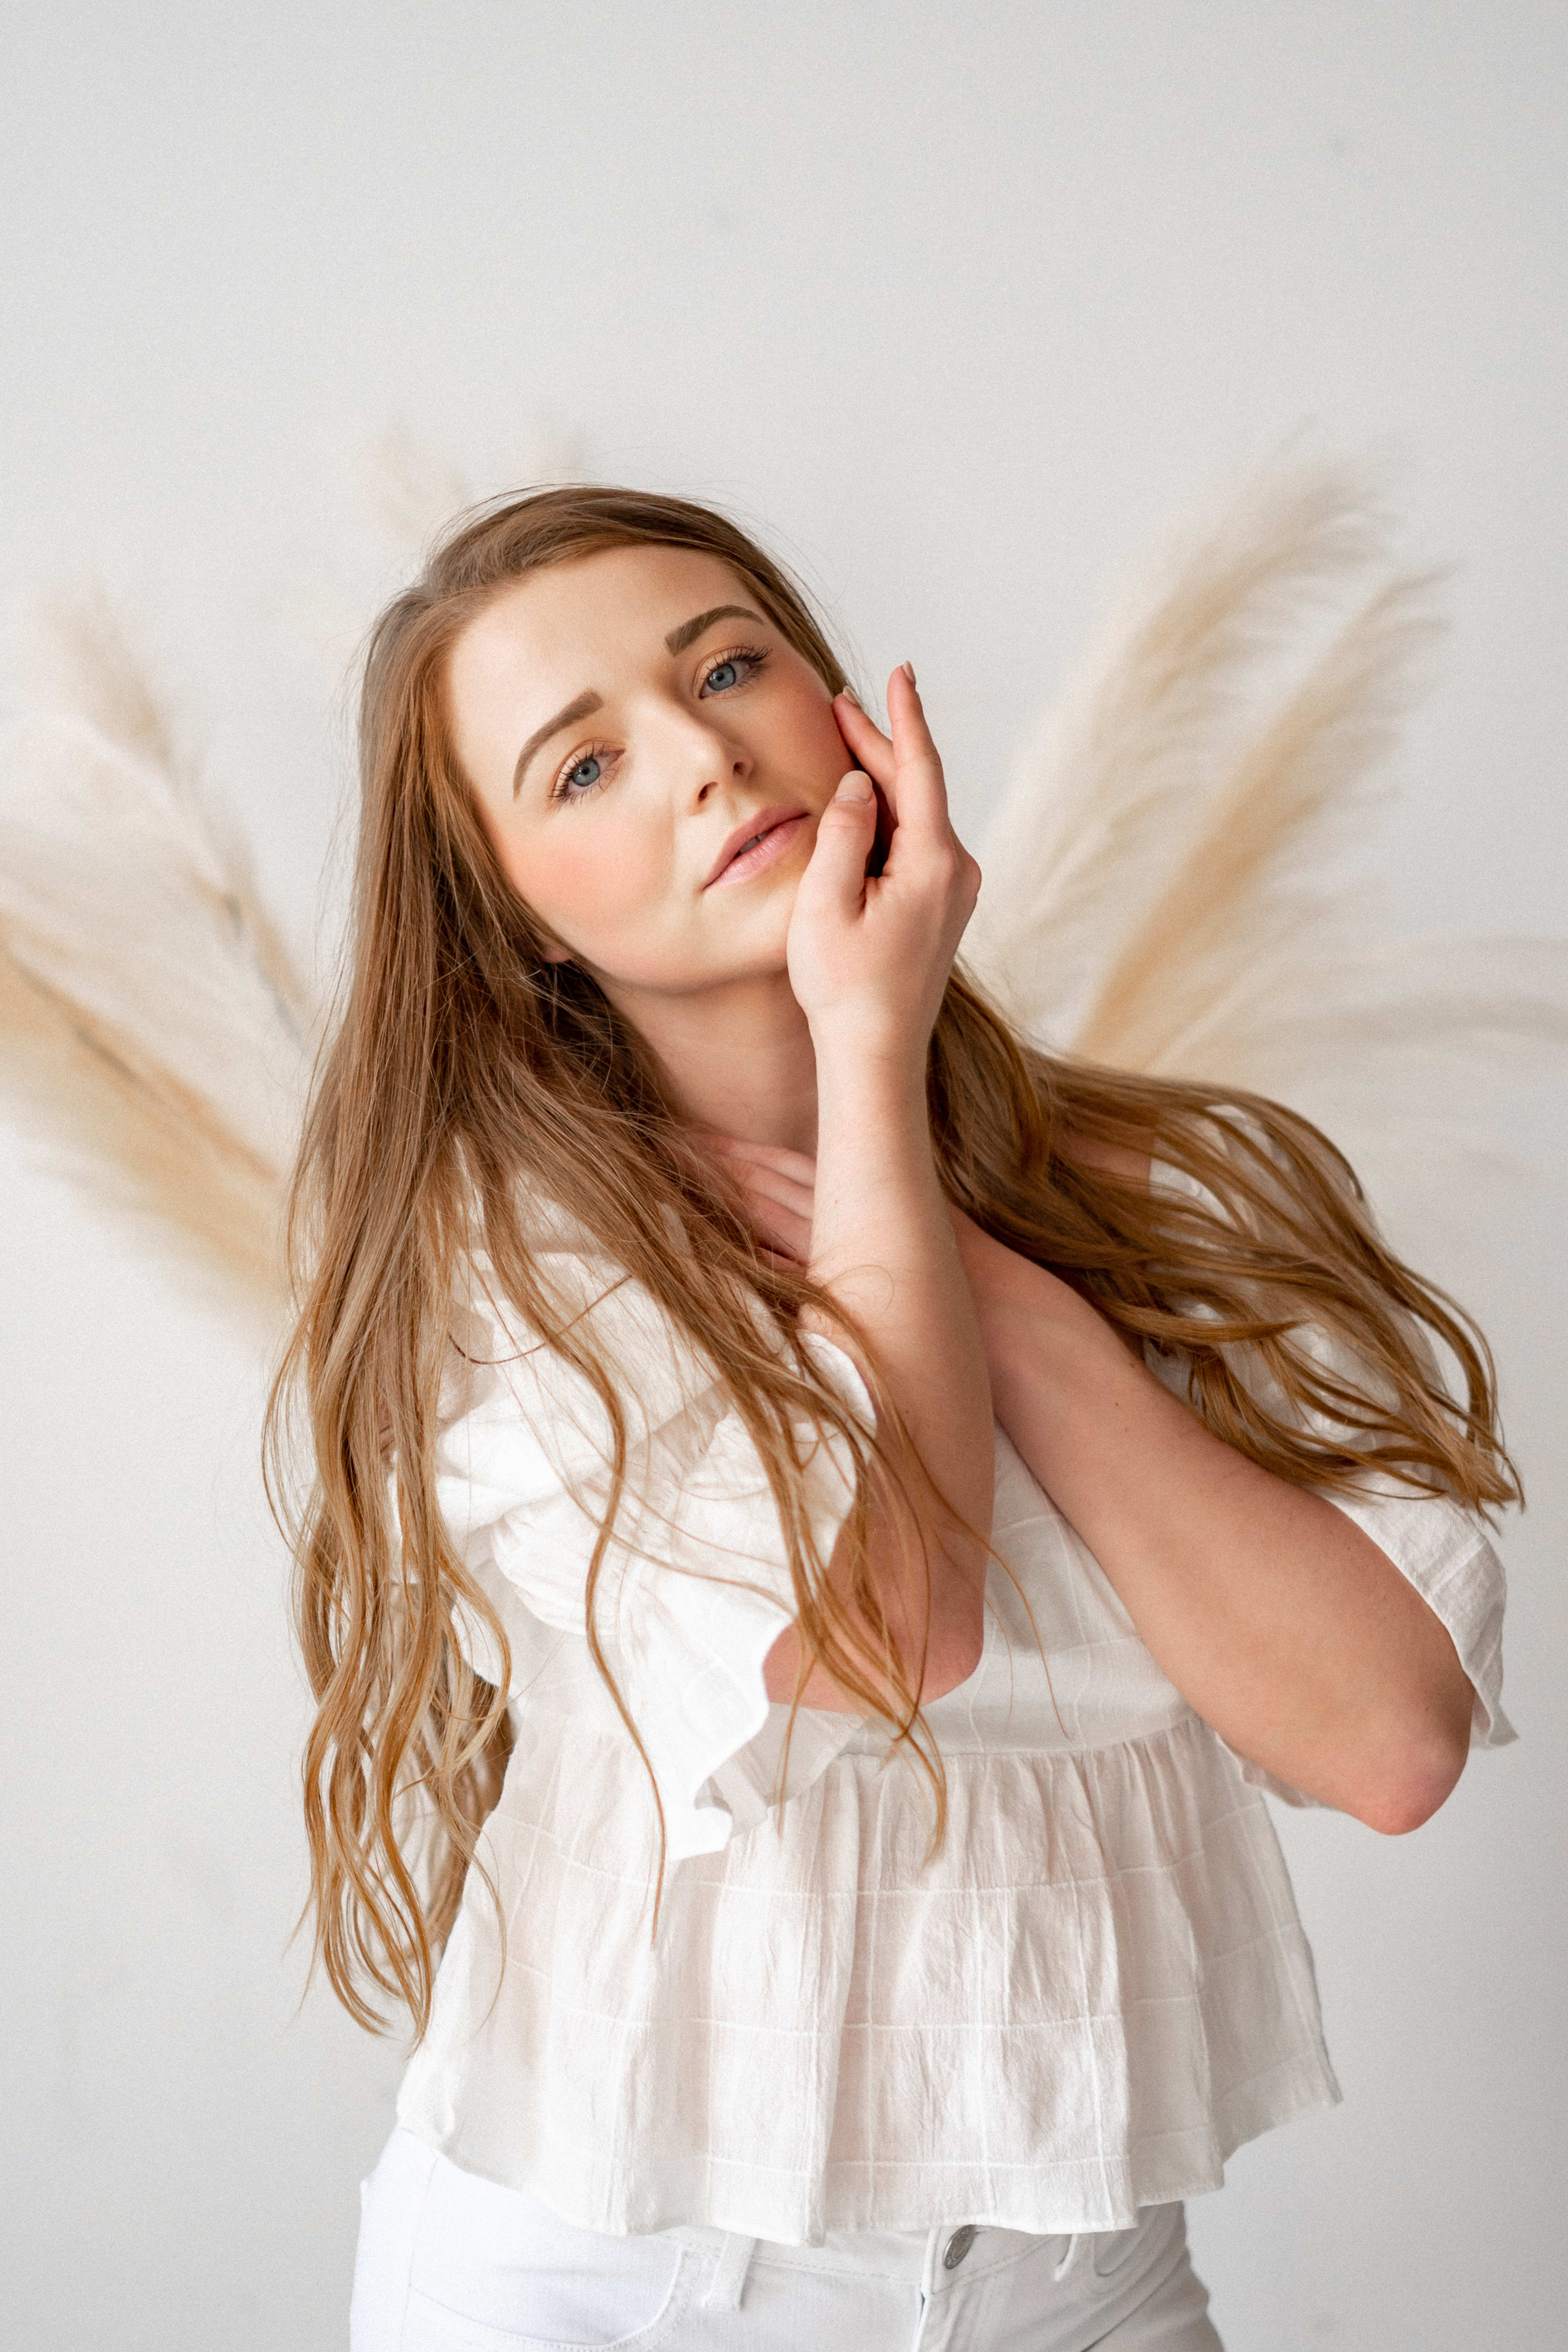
(958, 2245)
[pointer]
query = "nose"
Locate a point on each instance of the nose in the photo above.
(707, 759)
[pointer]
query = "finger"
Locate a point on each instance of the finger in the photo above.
(787, 1221)
(799, 1165)
(921, 787)
(835, 875)
(775, 1185)
(792, 1241)
(796, 1199)
(782, 1227)
(786, 1177)
(874, 749)
(789, 1173)
(866, 742)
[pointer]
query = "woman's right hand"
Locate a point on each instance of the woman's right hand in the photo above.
(870, 954)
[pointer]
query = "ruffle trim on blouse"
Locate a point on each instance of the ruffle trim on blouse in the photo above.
(1096, 1991)
(695, 1587)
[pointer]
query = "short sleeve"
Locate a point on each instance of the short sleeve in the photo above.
(1440, 1547)
(695, 1586)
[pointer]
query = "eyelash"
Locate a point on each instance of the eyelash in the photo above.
(756, 654)
(558, 790)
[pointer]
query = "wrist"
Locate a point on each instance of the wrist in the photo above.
(864, 1086)
(867, 1040)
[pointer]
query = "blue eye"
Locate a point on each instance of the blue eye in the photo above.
(584, 775)
(736, 669)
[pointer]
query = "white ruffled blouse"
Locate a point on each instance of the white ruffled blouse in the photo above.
(1094, 1992)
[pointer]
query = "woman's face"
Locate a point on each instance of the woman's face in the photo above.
(651, 756)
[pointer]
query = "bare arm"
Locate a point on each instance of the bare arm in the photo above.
(1276, 1617)
(868, 961)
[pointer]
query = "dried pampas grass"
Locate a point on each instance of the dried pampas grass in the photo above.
(1112, 784)
(1171, 885)
(153, 1027)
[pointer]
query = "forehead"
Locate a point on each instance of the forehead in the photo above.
(581, 624)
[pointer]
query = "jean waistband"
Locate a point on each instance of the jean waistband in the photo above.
(920, 2258)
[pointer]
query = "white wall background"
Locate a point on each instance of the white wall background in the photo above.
(961, 305)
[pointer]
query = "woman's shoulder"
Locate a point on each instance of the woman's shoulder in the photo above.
(574, 1328)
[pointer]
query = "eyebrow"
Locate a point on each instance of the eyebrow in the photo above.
(581, 709)
(690, 631)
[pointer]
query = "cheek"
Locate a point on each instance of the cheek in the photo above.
(813, 748)
(594, 894)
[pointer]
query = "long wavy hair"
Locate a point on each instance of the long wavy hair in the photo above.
(467, 1073)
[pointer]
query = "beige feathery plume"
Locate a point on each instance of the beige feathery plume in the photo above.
(1111, 786)
(410, 490)
(153, 1028)
(413, 492)
(1261, 875)
(1168, 884)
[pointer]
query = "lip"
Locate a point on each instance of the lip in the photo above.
(771, 830)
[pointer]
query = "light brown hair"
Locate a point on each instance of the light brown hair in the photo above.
(467, 1072)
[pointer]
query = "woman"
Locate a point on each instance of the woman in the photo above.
(825, 1517)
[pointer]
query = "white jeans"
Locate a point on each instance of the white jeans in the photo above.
(448, 2262)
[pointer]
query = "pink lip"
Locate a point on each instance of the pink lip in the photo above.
(756, 844)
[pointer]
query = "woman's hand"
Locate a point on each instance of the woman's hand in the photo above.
(870, 954)
(779, 1189)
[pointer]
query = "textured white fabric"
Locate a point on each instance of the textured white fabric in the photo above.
(695, 1590)
(1078, 2008)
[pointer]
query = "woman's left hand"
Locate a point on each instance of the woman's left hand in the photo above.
(778, 1188)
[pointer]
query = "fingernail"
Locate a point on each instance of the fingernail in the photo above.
(855, 786)
(909, 672)
(850, 696)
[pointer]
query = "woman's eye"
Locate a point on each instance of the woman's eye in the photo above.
(582, 776)
(732, 671)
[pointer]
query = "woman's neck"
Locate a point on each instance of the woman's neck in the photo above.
(740, 1057)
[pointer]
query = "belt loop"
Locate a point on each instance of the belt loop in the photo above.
(729, 2281)
(1077, 2246)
